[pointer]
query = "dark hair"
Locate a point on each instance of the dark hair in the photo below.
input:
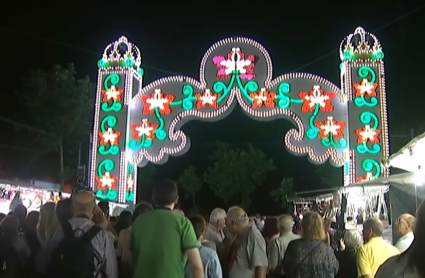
(104, 206)
(64, 210)
(199, 224)
(10, 226)
(140, 209)
(32, 218)
(271, 227)
(124, 221)
(164, 192)
(2, 216)
(20, 212)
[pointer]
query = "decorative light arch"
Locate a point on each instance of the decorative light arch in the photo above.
(136, 124)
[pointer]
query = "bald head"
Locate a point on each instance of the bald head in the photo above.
(285, 223)
(238, 216)
(84, 204)
(374, 226)
(409, 219)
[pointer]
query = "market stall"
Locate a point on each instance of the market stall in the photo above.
(29, 194)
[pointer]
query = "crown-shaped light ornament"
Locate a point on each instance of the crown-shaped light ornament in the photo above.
(121, 53)
(361, 45)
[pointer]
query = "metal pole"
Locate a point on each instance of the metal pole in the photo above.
(412, 133)
(79, 155)
(62, 170)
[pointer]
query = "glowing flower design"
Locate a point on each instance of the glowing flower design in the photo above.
(263, 98)
(367, 177)
(235, 62)
(207, 98)
(367, 134)
(130, 183)
(317, 97)
(109, 137)
(157, 100)
(330, 127)
(365, 87)
(112, 94)
(145, 129)
(107, 181)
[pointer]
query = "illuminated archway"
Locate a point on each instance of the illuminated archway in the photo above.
(135, 124)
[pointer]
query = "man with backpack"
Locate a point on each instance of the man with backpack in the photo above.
(79, 247)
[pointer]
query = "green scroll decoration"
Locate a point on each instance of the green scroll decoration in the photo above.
(104, 166)
(312, 132)
(187, 101)
(139, 144)
(369, 118)
(111, 194)
(220, 87)
(108, 122)
(370, 165)
(364, 73)
(332, 142)
(282, 99)
(116, 106)
(129, 195)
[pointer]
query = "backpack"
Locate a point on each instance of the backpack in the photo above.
(74, 256)
(11, 264)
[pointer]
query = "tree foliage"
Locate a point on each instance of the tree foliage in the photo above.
(60, 106)
(284, 191)
(329, 175)
(191, 183)
(236, 173)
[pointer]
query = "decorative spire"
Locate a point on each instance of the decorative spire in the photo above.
(121, 53)
(361, 45)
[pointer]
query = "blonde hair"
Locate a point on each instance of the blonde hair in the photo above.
(312, 226)
(47, 219)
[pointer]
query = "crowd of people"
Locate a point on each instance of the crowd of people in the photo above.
(77, 238)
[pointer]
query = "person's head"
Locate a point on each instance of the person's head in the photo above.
(64, 210)
(20, 212)
(218, 218)
(165, 194)
(104, 206)
(352, 239)
(124, 221)
(10, 225)
(406, 223)
(372, 227)
(32, 218)
(140, 209)
(271, 227)
(286, 223)
(84, 204)
(199, 225)
(312, 227)
(237, 221)
(47, 216)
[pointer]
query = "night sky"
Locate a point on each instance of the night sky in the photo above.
(173, 38)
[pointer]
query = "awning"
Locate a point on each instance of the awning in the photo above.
(410, 157)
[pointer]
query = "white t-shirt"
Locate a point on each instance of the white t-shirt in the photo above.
(404, 242)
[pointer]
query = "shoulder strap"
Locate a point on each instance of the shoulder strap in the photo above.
(67, 230)
(90, 234)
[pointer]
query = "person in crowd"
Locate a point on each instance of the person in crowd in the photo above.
(347, 254)
(86, 215)
(310, 256)
(14, 250)
(32, 220)
(330, 232)
(47, 222)
(406, 224)
(411, 262)
(2, 216)
(64, 210)
(124, 241)
(259, 221)
(162, 240)
(179, 211)
(375, 251)
(17, 200)
(215, 226)
(209, 257)
(277, 248)
(247, 255)
(112, 234)
(271, 229)
(20, 212)
(124, 221)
